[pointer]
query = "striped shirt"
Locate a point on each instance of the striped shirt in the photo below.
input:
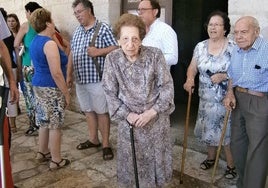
(249, 68)
(84, 67)
(162, 36)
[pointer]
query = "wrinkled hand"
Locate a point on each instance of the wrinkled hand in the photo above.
(92, 51)
(217, 78)
(189, 86)
(229, 101)
(145, 118)
(132, 118)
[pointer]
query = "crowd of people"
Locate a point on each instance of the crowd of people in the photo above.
(122, 74)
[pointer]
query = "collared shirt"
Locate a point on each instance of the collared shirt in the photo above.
(162, 36)
(249, 68)
(84, 67)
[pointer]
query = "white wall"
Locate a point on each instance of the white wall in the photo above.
(62, 12)
(256, 8)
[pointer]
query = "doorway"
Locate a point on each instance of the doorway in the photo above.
(188, 20)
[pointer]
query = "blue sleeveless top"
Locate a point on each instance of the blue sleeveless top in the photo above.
(42, 75)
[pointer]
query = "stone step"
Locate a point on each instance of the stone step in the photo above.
(200, 178)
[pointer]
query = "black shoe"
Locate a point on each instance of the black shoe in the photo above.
(32, 131)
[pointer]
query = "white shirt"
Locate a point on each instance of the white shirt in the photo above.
(4, 33)
(162, 36)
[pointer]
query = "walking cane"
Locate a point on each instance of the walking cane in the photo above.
(134, 155)
(185, 136)
(220, 143)
(4, 94)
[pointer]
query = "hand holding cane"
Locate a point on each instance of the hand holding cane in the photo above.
(225, 123)
(134, 155)
(185, 135)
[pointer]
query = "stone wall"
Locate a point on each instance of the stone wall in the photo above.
(62, 12)
(106, 10)
(256, 8)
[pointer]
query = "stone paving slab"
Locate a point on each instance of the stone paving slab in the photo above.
(87, 167)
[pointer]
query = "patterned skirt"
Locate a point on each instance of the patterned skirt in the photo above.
(50, 105)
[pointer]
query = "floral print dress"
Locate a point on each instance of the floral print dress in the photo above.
(211, 112)
(136, 87)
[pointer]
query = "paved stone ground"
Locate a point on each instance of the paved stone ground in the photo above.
(88, 170)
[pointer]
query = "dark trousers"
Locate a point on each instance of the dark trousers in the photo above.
(249, 140)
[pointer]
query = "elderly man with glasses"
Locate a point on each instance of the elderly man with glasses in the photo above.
(86, 59)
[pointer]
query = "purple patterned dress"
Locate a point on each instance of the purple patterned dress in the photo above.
(136, 87)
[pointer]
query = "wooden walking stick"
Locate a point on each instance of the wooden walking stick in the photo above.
(134, 155)
(227, 114)
(185, 136)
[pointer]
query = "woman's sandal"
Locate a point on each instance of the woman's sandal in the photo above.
(230, 173)
(107, 154)
(42, 157)
(55, 166)
(207, 164)
(87, 144)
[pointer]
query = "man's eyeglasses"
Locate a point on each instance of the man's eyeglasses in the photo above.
(78, 12)
(142, 10)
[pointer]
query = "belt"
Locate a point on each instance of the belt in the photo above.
(245, 90)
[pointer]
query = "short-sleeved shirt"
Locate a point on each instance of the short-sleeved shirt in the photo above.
(84, 67)
(249, 68)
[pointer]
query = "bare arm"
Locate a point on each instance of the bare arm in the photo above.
(191, 73)
(69, 79)
(52, 54)
(17, 43)
(229, 100)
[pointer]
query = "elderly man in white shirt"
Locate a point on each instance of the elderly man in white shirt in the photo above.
(159, 34)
